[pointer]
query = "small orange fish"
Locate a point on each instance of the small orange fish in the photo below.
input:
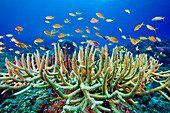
(158, 18)
(9, 35)
(80, 18)
(123, 36)
(63, 35)
(137, 48)
(17, 52)
(1, 52)
(21, 45)
(138, 26)
(94, 20)
(158, 39)
(1, 36)
(78, 31)
(42, 48)
(53, 43)
(100, 15)
(143, 38)
(133, 41)
(49, 33)
(1, 43)
(39, 40)
(46, 21)
(87, 30)
(100, 35)
(49, 17)
(71, 14)
(74, 44)
(152, 38)
(151, 28)
(1, 48)
(113, 39)
(97, 49)
(10, 49)
(19, 29)
(57, 26)
(78, 13)
(67, 21)
(120, 30)
(109, 43)
(60, 40)
(127, 10)
(96, 28)
(84, 36)
(14, 40)
(109, 20)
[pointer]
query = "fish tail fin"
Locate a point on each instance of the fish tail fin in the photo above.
(163, 18)
(143, 23)
(62, 26)
(155, 29)
(35, 43)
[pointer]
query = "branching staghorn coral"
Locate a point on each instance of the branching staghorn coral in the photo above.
(115, 79)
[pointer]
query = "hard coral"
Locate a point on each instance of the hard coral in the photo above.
(114, 79)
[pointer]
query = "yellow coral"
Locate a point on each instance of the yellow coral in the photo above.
(116, 78)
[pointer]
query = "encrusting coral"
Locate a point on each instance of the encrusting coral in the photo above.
(114, 79)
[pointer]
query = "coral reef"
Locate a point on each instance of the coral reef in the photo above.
(102, 83)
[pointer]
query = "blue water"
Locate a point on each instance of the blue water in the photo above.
(30, 15)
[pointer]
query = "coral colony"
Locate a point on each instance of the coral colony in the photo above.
(92, 80)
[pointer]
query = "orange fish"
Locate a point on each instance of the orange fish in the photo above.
(123, 36)
(19, 29)
(80, 18)
(57, 26)
(49, 33)
(109, 43)
(63, 35)
(100, 35)
(158, 18)
(1, 48)
(158, 39)
(60, 40)
(39, 40)
(100, 15)
(84, 36)
(133, 41)
(42, 48)
(94, 20)
(67, 21)
(71, 14)
(113, 39)
(78, 13)
(78, 31)
(138, 27)
(96, 28)
(14, 40)
(127, 10)
(137, 49)
(152, 38)
(1, 36)
(151, 28)
(143, 38)
(49, 17)
(21, 45)
(17, 52)
(87, 30)
(109, 20)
